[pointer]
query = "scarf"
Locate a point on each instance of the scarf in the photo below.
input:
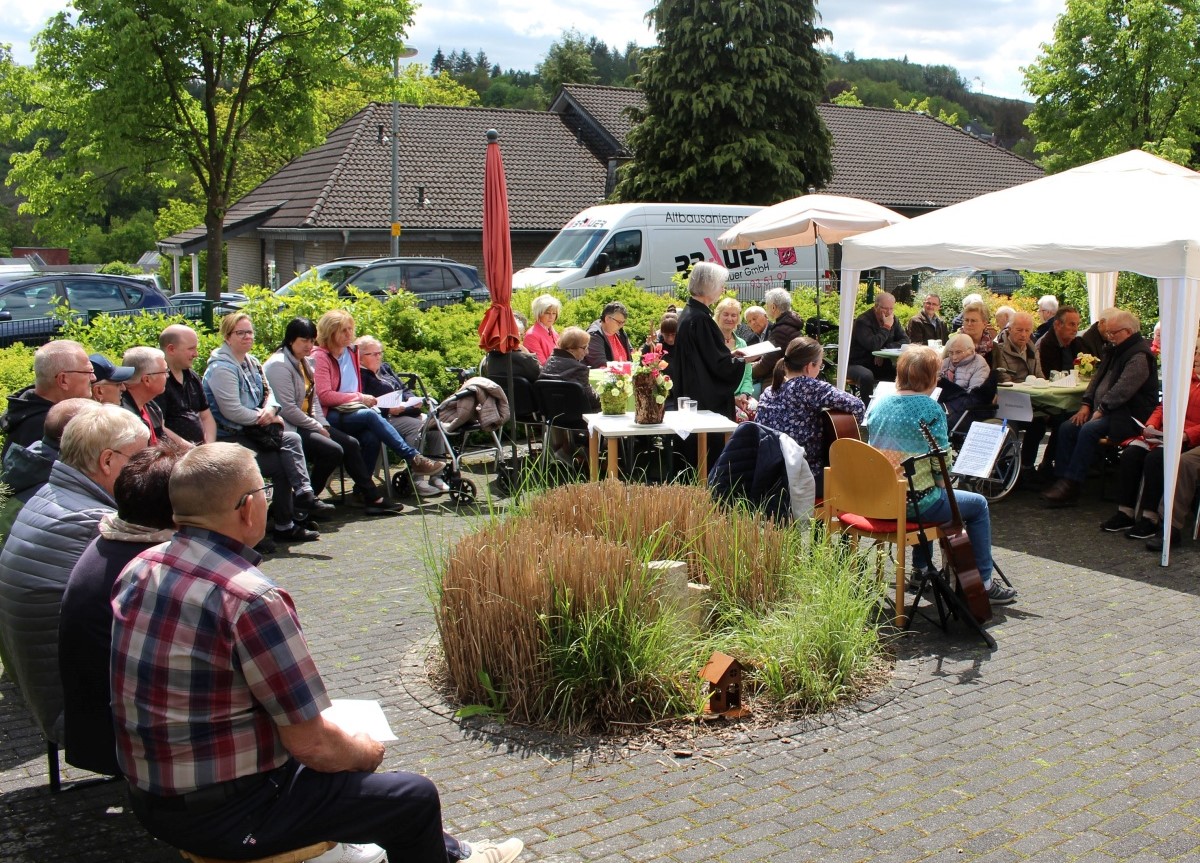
(117, 529)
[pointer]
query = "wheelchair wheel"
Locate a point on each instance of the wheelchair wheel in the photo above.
(462, 492)
(402, 485)
(1004, 475)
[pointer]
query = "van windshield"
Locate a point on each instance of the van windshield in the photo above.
(570, 248)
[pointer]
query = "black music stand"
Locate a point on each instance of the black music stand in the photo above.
(940, 582)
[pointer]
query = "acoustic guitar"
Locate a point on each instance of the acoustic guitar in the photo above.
(836, 424)
(957, 553)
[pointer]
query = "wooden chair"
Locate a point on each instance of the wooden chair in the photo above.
(864, 498)
(298, 856)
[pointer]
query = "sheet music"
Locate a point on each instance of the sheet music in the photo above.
(760, 349)
(978, 452)
(355, 715)
(395, 399)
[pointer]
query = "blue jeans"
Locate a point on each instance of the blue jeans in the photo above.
(1077, 447)
(371, 429)
(976, 518)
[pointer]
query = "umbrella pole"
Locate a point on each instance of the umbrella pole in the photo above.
(817, 279)
(512, 416)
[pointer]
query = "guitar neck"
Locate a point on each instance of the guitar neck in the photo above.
(937, 453)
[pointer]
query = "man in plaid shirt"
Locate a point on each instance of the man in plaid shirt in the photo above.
(217, 700)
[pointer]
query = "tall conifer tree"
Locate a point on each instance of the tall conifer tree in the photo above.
(731, 104)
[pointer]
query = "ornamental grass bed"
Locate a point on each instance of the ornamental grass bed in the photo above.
(549, 615)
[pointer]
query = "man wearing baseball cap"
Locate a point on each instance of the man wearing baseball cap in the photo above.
(110, 379)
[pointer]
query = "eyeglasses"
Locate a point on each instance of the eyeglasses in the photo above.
(77, 372)
(371, 354)
(127, 455)
(243, 333)
(151, 374)
(620, 322)
(268, 491)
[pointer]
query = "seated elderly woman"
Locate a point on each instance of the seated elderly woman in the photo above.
(290, 372)
(964, 378)
(244, 408)
(379, 379)
(975, 324)
(143, 520)
(541, 338)
(523, 363)
(893, 426)
(49, 535)
(794, 404)
(566, 363)
(348, 406)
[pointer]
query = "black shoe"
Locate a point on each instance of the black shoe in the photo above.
(265, 546)
(295, 533)
(1144, 529)
(1119, 522)
(1156, 543)
(383, 508)
(309, 504)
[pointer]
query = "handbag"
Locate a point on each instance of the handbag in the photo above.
(264, 438)
(350, 407)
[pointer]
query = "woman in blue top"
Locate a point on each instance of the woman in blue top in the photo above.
(893, 425)
(793, 404)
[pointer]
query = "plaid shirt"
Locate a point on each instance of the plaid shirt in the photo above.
(207, 657)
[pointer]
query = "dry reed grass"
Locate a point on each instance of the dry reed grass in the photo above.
(578, 548)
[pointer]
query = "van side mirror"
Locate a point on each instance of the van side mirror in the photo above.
(600, 265)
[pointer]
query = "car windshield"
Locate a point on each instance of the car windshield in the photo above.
(570, 249)
(335, 273)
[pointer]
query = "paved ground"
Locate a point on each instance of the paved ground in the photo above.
(1076, 740)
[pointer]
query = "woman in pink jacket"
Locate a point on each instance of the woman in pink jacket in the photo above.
(541, 339)
(338, 384)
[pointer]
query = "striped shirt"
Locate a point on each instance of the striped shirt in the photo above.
(207, 657)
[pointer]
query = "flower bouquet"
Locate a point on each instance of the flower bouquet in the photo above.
(1085, 365)
(650, 387)
(615, 388)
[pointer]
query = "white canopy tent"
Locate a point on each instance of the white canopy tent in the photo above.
(1132, 212)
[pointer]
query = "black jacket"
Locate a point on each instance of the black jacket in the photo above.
(786, 327)
(26, 418)
(599, 350)
(524, 365)
(1106, 394)
(561, 366)
(868, 336)
(703, 367)
(387, 381)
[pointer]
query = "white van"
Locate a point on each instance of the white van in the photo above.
(649, 243)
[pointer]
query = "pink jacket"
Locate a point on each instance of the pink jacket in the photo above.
(327, 375)
(541, 342)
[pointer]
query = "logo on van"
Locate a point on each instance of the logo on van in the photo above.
(731, 259)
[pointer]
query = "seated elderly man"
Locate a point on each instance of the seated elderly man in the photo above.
(61, 370)
(1120, 397)
(1058, 349)
(1014, 358)
(1047, 306)
(237, 759)
(149, 381)
(927, 325)
(1095, 338)
(753, 328)
(785, 326)
(874, 330)
(48, 537)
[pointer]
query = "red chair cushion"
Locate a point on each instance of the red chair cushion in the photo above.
(876, 525)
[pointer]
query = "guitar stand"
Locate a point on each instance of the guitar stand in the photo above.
(943, 589)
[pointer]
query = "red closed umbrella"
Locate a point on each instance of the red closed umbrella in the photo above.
(498, 330)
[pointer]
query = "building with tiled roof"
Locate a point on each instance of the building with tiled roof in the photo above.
(334, 201)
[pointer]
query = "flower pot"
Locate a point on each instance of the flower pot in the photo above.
(647, 410)
(612, 405)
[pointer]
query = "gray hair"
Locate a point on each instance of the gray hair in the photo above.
(366, 342)
(91, 432)
(753, 310)
(542, 304)
(779, 298)
(54, 358)
(707, 279)
(143, 360)
(1048, 302)
(1118, 319)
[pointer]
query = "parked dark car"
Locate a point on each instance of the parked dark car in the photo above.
(191, 303)
(27, 303)
(1001, 281)
(335, 272)
(436, 281)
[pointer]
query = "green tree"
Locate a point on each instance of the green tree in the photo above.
(568, 61)
(731, 105)
(171, 83)
(1119, 75)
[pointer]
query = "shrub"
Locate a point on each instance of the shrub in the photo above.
(16, 369)
(551, 613)
(645, 309)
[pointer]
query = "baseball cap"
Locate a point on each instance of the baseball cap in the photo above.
(106, 371)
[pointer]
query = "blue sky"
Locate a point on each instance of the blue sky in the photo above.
(988, 41)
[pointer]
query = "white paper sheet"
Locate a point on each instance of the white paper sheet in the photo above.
(979, 450)
(755, 351)
(355, 715)
(396, 399)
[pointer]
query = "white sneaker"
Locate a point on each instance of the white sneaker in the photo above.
(425, 488)
(439, 483)
(490, 852)
(344, 852)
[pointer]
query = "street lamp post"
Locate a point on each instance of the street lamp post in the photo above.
(404, 53)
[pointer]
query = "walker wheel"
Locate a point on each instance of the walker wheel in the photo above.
(402, 484)
(464, 492)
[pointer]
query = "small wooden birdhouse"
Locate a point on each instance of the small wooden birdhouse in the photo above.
(724, 676)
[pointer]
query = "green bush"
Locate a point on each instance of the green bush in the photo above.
(645, 309)
(1135, 293)
(16, 369)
